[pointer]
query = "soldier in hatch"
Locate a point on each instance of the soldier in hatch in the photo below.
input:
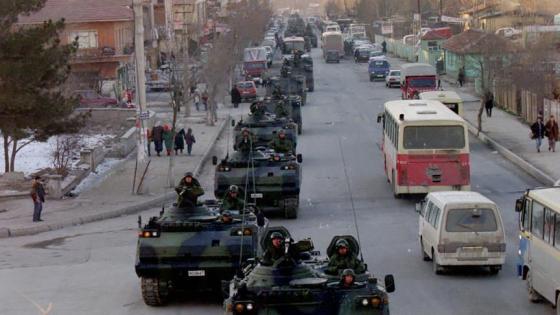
(347, 279)
(232, 201)
(244, 143)
(275, 249)
(344, 258)
(281, 143)
(281, 109)
(258, 109)
(188, 191)
(226, 217)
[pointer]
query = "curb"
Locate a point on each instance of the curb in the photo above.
(131, 209)
(512, 157)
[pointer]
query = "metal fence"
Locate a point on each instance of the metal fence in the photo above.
(524, 103)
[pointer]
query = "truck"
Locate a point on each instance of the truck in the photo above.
(254, 62)
(357, 31)
(333, 46)
(417, 78)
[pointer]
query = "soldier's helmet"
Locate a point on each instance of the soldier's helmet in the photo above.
(276, 235)
(233, 188)
(281, 132)
(341, 243)
(226, 213)
(348, 272)
(188, 174)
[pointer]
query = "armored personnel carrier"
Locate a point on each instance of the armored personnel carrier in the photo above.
(288, 84)
(295, 284)
(189, 247)
(264, 128)
(301, 65)
(272, 179)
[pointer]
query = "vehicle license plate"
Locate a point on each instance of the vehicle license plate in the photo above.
(471, 252)
(196, 273)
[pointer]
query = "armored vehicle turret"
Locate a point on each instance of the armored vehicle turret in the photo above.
(272, 179)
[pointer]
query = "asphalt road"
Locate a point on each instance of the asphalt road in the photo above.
(89, 269)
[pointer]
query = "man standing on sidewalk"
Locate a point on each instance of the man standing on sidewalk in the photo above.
(489, 103)
(537, 132)
(461, 77)
(38, 196)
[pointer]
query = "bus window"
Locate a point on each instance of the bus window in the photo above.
(526, 216)
(549, 226)
(557, 232)
(537, 220)
(434, 137)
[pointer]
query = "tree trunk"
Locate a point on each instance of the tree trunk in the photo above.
(13, 159)
(6, 154)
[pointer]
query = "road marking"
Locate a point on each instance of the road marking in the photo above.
(39, 308)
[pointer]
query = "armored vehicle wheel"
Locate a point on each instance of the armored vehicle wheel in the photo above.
(154, 291)
(290, 206)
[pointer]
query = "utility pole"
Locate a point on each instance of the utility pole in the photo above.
(440, 10)
(140, 94)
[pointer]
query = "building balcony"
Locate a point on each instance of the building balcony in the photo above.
(103, 54)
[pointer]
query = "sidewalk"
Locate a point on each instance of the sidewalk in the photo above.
(112, 197)
(508, 135)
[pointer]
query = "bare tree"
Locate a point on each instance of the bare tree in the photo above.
(63, 152)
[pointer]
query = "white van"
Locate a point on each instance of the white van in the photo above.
(461, 228)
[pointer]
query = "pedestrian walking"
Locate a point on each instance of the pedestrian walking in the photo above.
(235, 96)
(190, 140)
(204, 98)
(180, 141)
(196, 99)
(552, 133)
(489, 104)
(168, 139)
(157, 136)
(538, 132)
(384, 47)
(461, 76)
(38, 196)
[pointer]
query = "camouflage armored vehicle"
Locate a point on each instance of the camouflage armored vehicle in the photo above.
(301, 65)
(294, 284)
(190, 247)
(288, 84)
(264, 128)
(273, 179)
(292, 104)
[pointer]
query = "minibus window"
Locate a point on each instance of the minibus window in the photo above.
(557, 232)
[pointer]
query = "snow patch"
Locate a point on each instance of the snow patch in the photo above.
(38, 155)
(95, 178)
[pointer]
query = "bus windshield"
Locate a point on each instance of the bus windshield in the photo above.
(295, 45)
(434, 137)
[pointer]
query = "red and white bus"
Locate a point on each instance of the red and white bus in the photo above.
(425, 146)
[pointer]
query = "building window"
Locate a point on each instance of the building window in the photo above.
(86, 39)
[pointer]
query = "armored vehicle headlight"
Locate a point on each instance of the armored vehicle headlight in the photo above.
(247, 232)
(249, 307)
(224, 169)
(289, 167)
(365, 302)
(148, 234)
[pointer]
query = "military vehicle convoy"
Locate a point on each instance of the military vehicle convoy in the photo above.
(264, 128)
(296, 283)
(273, 179)
(190, 247)
(288, 84)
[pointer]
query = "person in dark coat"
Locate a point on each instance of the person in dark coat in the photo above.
(157, 136)
(235, 96)
(38, 196)
(538, 132)
(489, 104)
(190, 140)
(552, 133)
(461, 76)
(180, 141)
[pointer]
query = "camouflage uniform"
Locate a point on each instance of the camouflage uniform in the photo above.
(281, 109)
(349, 261)
(232, 203)
(257, 109)
(188, 193)
(272, 253)
(245, 142)
(281, 145)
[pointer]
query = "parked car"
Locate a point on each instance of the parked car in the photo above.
(509, 32)
(247, 89)
(90, 98)
(461, 228)
(393, 78)
(362, 54)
